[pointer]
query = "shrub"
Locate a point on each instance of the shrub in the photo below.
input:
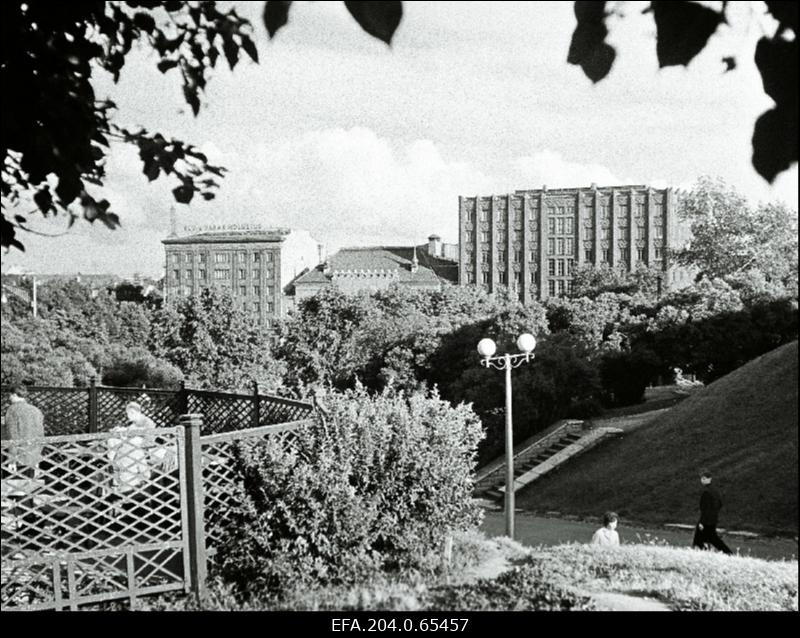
(374, 483)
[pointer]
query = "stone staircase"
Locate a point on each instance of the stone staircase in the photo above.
(539, 455)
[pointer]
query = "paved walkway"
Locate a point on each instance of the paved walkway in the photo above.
(536, 531)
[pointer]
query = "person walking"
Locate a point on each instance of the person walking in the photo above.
(607, 535)
(710, 505)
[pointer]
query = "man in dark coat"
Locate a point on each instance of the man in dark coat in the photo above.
(710, 505)
(22, 422)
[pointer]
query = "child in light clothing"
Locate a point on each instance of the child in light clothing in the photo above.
(607, 535)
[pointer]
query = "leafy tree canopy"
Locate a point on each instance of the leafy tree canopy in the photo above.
(730, 238)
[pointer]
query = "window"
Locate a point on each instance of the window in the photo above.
(533, 212)
(221, 273)
(176, 258)
(517, 256)
(188, 273)
(659, 232)
(470, 277)
(502, 235)
(570, 247)
(625, 254)
(534, 255)
(588, 254)
(551, 246)
(242, 257)
(658, 208)
(560, 226)
(641, 232)
(568, 225)
(570, 266)
(201, 258)
(244, 306)
(484, 214)
(256, 273)
(242, 273)
(560, 244)
(257, 307)
(485, 257)
(176, 274)
(533, 277)
(222, 258)
(607, 255)
(551, 287)
(605, 233)
(501, 255)
(640, 254)
(568, 286)
(201, 273)
(485, 277)
(659, 253)
(561, 268)
(243, 290)
(561, 283)
(469, 236)
(551, 267)
(640, 208)
(551, 225)
(270, 306)
(257, 291)
(485, 236)
(268, 256)
(256, 257)
(503, 277)
(518, 278)
(269, 274)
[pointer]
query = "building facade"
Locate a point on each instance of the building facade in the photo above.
(255, 266)
(368, 269)
(532, 240)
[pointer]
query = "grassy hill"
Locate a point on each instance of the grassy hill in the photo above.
(743, 427)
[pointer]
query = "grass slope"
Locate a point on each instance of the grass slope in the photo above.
(743, 428)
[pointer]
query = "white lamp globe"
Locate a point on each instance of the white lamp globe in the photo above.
(526, 343)
(486, 347)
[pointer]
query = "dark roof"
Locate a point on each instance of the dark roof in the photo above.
(397, 259)
(237, 236)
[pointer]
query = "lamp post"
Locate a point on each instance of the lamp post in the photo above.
(486, 348)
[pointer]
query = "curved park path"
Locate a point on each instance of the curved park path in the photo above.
(534, 531)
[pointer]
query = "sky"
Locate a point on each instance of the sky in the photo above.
(364, 144)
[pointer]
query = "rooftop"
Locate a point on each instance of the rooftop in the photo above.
(227, 236)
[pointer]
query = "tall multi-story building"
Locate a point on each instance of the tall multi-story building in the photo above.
(532, 240)
(254, 265)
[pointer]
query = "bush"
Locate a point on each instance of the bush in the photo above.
(374, 483)
(626, 374)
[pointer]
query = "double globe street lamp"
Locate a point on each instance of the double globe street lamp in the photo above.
(487, 348)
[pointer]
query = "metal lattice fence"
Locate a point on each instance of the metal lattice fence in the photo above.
(93, 517)
(117, 515)
(101, 408)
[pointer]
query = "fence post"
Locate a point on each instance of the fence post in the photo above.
(93, 404)
(183, 399)
(256, 406)
(192, 424)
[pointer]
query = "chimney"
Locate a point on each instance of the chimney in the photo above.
(435, 246)
(321, 253)
(415, 261)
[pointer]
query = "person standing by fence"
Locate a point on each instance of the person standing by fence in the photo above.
(22, 423)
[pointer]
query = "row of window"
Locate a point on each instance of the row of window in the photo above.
(220, 258)
(221, 274)
(621, 208)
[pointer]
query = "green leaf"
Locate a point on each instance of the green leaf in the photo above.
(231, 51)
(276, 14)
(166, 64)
(588, 48)
(682, 30)
(250, 48)
(183, 194)
(379, 19)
